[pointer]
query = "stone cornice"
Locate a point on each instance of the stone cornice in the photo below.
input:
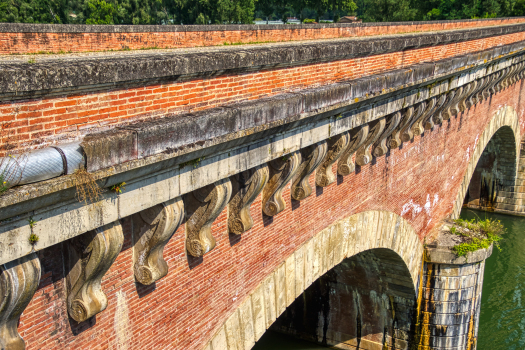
(56, 75)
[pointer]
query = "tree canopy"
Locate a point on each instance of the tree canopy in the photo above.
(246, 11)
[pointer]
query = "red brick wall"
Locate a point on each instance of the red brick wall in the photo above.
(38, 122)
(35, 42)
(184, 309)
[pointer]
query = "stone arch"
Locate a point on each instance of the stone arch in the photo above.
(503, 127)
(362, 232)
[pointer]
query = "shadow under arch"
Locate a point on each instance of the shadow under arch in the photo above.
(492, 165)
(380, 234)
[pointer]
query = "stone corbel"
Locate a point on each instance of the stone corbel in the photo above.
(358, 136)
(19, 281)
(406, 133)
(336, 145)
(493, 80)
(88, 257)
(494, 87)
(419, 127)
(282, 170)
(202, 207)
(501, 84)
(246, 186)
(463, 106)
(312, 156)
(380, 146)
(473, 98)
(152, 229)
(395, 139)
(452, 107)
(440, 114)
(521, 72)
(363, 154)
(513, 78)
(428, 122)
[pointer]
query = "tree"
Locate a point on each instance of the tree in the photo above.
(100, 12)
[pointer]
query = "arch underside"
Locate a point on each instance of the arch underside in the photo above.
(365, 302)
(500, 136)
(371, 235)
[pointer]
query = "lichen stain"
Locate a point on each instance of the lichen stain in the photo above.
(121, 322)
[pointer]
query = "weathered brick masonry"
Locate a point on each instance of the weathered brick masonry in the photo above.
(418, 181)
(26, 38)
(182, 310)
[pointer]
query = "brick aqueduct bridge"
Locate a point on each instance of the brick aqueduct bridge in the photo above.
(299, 181)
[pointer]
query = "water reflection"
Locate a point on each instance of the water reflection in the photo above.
(502, 321)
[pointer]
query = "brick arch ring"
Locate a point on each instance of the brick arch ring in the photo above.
(343, 239)
(505, 117)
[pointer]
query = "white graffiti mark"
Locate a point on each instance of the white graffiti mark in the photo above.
(467, 155)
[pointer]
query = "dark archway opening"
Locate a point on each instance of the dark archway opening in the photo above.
(492, 186)
(368, 301)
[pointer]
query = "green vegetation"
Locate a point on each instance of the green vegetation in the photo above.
(244, 11)
(118, 188)
(195, 162)
(4, 184)
(32, 223)
(478, 234)
(33, 239)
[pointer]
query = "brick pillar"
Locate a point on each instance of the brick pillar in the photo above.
(449, 299)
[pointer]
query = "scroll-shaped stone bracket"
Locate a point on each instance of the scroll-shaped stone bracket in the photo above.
(512, 78)
(311, 157)
(451, 108)
(202, 207)
(380, 146)
(483, 89)
(358, 136)
(493, 80)
(324, 175)
(501, 83)
(88, 257)
(439, 114)
(494, 86)
(19, 280)
(519, 71)
(473, 98)
(406, 133)
(395, 140)
(418, 126)
(462, 105)
(364, 155)
(152, 229)
(282, 171)
(428, 121)
(246, 186)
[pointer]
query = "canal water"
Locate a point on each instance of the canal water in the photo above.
(502, 322)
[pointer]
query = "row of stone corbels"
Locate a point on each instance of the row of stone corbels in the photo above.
(90, 255)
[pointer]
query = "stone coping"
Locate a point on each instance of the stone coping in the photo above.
(170, 142)
(444, 255)
(59, 75)
(85, 28)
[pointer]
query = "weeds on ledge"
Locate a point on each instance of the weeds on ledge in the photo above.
(118, 188)
(86, 186)
(33, 239)
(479, 234)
